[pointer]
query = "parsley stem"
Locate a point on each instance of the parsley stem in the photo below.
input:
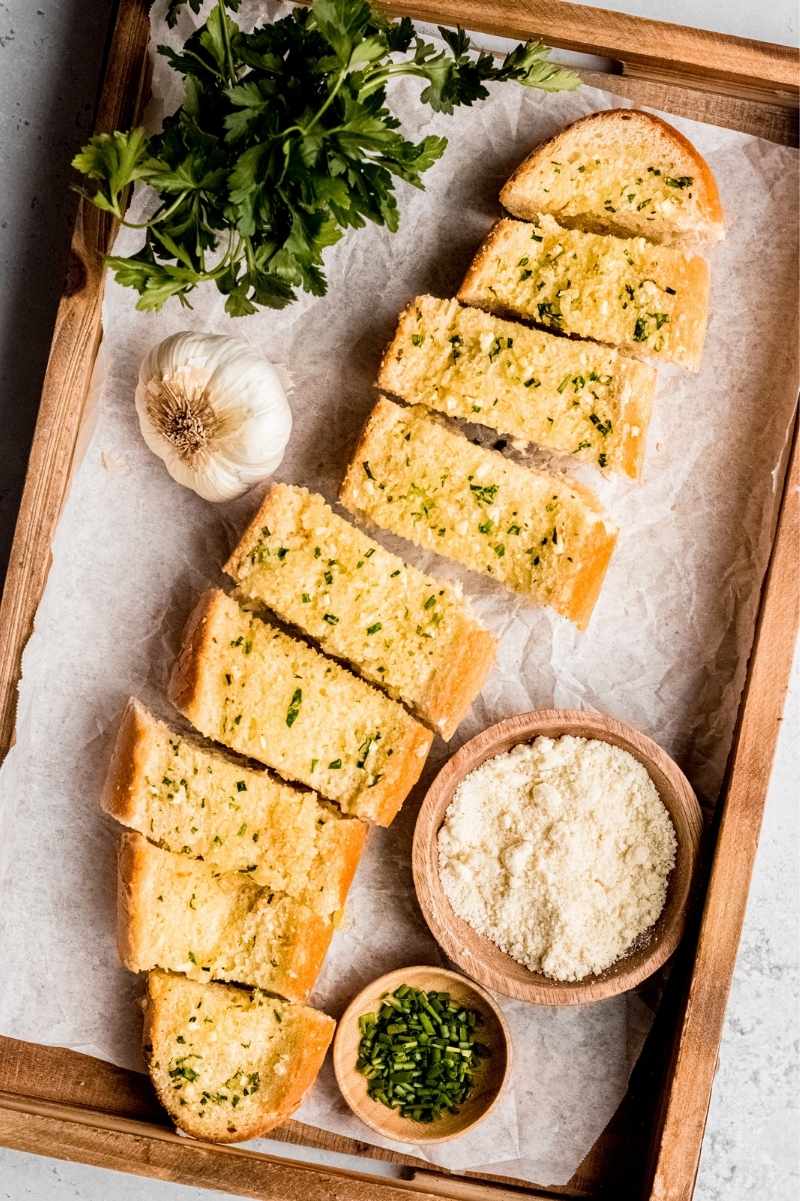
(327, 103)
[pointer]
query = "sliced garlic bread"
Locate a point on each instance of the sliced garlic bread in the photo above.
(538, 534)
(255, 689)
(408, 633)
(623, 172)
(578, 398)
(178, 913)
(652, 300)
(195, 800)
(228, 1063)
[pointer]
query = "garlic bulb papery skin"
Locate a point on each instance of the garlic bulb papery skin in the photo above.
(215, 411)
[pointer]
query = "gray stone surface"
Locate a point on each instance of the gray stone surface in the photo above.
(50, 54)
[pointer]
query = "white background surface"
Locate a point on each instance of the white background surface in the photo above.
(48, 58)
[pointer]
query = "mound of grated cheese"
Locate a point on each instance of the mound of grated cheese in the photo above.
(559, 851)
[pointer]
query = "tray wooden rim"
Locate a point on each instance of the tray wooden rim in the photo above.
(688, 65)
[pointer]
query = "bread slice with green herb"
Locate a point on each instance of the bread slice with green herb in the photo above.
(178, 913)
(624, 172)
(265, 694)
(410, 634)
(577, 398)
(227, 1063)
(649, 299)
(196, 800)
(541, 535)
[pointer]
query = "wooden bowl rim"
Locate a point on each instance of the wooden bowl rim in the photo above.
(387, 983)
(470, 950)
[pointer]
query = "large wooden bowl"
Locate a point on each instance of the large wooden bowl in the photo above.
(489, 1081)
(478, 956)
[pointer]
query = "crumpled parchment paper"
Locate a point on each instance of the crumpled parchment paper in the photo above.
(666, 649)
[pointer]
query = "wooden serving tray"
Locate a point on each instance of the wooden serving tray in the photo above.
(70, 1106)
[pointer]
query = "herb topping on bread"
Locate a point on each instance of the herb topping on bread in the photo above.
(404, 631)
(578, 398)
(538, 534)
(229, 1064)
(178, 913)
(270, 696)
(624, 172)
(196, 800)
(652, 300)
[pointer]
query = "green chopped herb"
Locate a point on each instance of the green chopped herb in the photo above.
(417, 339)
(484, 493)
(550, 311)
(430, 602)
(282, 552)
(294, 706)
(682, 181)
(420, 1053)
(331, 619)
(241, 786)
(533, 382)
(335, 764)
(373, 629)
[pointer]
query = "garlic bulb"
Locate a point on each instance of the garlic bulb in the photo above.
(215, 411)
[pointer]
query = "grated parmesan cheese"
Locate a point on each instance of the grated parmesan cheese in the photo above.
(558, 851)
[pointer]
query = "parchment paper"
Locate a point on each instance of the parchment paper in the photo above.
(666, 649)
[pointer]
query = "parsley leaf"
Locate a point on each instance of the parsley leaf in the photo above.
(285, 140)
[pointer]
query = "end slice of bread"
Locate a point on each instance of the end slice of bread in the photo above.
(539, 534)
(254, 688)
(651, 300)
(411, 635)
(624, 172)
(578, 398)
(177, 913)
(195, 800)
(227, 1063)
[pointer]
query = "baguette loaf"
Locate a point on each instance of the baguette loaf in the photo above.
(227, 1063)
(575, 397)
(408, 633)
(272, 697)
(625, 291)
(538, 534)
(198, 801)
(623, 172)
(178, 913)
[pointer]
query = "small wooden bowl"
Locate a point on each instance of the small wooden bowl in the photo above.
(478, 956)
(489, 1081)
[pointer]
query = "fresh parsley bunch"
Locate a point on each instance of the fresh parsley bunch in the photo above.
(283, 142)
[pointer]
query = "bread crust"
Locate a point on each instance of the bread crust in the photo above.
(469, 292)
(312, 1034)
(453, 690)
(715, 218)
(131, 883)
(184, 688)
(641, 381)
(349, 837)
(123, 784)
